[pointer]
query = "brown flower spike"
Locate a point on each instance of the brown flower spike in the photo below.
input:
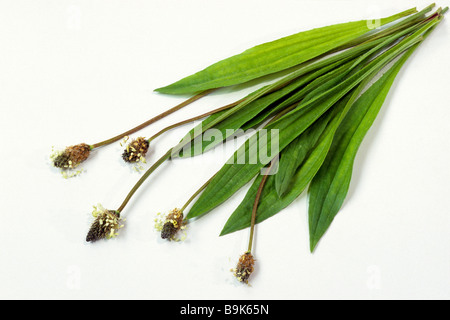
(173, 223)
(105, 226)
(245, 267)
(72, 156)
(136, 150)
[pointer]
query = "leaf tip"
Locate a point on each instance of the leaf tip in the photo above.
(163, 90)
(312, 244)
(172, 89)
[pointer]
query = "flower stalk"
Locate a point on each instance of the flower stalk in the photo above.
(245, 266)
(143, 178)
(151, 121)
(73, 156)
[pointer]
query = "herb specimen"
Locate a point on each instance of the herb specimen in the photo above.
(309, 124)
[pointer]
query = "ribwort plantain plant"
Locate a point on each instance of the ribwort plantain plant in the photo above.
(337, 79)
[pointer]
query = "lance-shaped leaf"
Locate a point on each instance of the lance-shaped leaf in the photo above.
(295, 153)
(329, 187)
(275, 56)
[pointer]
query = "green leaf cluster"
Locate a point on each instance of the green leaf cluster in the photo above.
(339, 77)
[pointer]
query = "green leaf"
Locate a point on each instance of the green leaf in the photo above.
(296, 152)
(275, 56)
(330, 186)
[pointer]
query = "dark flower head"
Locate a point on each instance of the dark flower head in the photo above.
(136, 150)
(171, 225)
(244, 267)
(105, 226)
(71, 157)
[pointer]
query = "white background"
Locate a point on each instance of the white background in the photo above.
(83, 71)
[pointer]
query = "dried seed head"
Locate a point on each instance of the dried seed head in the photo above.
(136, 150)
(61, 161)
(105, 226)
(172, 224)
(244, 267)
(72, 156)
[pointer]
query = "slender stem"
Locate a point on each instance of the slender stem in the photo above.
(263, 182)
(255, 206)
(143, 178)
(229, 106)
(152, 120)
(197, 193)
